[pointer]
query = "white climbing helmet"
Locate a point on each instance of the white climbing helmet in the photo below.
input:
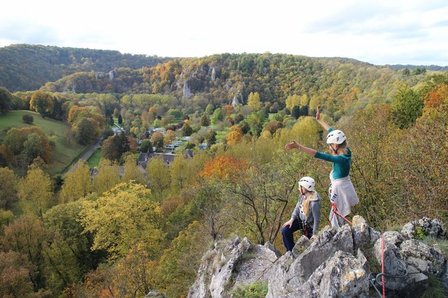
(336, 137)
(308, 183)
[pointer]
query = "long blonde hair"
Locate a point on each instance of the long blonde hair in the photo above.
(306, 203)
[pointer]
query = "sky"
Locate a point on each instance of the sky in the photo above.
(374, 31)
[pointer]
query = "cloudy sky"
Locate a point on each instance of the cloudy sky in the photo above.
(375, 31)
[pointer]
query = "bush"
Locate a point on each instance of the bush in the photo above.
(28, 119)
(255, 290)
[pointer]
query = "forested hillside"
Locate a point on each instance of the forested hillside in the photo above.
(28, 67)
(221, 78)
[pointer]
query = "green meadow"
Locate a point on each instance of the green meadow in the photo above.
(66, 150)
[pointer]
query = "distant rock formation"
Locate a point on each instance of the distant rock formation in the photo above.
(112, 75)
(213, 74)
(334, 265)
(186, 92)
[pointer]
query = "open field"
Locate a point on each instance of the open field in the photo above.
(66, 150)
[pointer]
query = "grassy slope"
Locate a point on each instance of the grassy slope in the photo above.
(94, 160)
(57, 131)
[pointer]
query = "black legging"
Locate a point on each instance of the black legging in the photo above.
(287, 233)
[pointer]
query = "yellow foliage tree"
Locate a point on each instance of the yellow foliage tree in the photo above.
(158, 175)
(107, 177)
(180, 261)
(132, 170)
(35, 191)
(76, 184)
(8, 188)
(292, 101)
(122, 218)
(253, 101)
(235, 135)
(306, 131)
(180, 172)
(169, 136)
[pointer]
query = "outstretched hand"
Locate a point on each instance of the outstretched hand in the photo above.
(318, 113)
(292, 145)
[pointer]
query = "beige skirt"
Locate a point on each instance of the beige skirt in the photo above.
(343, 194)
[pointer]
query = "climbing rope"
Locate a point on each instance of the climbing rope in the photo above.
(335, 211)
(383, 280)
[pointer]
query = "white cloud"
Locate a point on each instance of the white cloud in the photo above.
(373, 31)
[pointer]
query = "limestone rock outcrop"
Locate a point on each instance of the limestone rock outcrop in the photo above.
(341, 262)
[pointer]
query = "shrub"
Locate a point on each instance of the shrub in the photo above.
(28, 119)
(255, 290)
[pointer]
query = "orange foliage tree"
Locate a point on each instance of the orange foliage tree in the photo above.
(224, 167)
(235, 135)
(437, 97)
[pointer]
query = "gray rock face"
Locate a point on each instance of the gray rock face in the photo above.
(427, 226)
(334, 265)
(343, 275)
(363, 235)
(427, 259)
(186, 92)
(230, 265)
(394, 266)
(154, 294)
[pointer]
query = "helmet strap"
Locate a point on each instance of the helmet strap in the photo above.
(334, 150)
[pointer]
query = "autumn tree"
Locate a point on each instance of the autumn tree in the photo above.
(407, 106)
(157, 140)
(27, 236)
(260, 199)
(158, 175)
(132, 171)
(5, 100)
(8, 188)
(107, 177)
(306, 131)
(210, 137)
(27, 143)
(43, 103)
(114, 146)
(179, 171)
(235, 135)
(169, 137)
(253, 101)
(76, 113)
(77, 183)
(217, 116)
(272, 126)
(36, 145)
(35, 191)
(85, 131)
(292, 101)
(68, 255)
(180, 261)
(135, 274)
(205, 120)
(122, 218)
(15, 272)
(223, 167)
(186, 129)
(436, 99)
(255, 123)
(146, 146)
